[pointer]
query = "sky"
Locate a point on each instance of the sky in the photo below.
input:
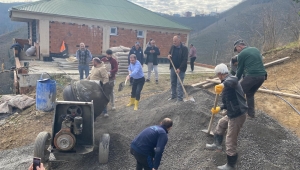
(177, 6)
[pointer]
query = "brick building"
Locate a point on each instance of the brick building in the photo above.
(100, 24)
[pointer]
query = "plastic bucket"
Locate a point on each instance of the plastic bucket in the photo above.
(45, 94)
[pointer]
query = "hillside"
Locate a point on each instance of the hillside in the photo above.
(6, 24)
(195, 23)
(6, 40)
(264, 24)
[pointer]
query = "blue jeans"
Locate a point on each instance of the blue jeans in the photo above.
(104, 110)
(85, 68)
(176, 87)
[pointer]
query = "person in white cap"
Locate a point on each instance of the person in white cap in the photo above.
(235, 103)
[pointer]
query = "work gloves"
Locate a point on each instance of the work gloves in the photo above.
(215, 111)
(219, 88)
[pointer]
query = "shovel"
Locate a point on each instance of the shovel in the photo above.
(122, 85)
(208, 131)
(187, 97)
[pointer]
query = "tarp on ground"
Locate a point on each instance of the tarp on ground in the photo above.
(7, 102)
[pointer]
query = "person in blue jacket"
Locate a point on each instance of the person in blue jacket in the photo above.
(138, 52)
(136, 72)
(148, 147)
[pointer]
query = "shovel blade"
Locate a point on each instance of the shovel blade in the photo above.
(121, 86)
(190, 98)
(206, 131)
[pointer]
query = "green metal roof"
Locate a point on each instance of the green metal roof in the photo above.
(108, 10)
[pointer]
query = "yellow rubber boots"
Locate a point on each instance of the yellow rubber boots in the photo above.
(136, 105)
(131, 102)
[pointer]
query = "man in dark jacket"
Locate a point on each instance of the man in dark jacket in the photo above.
(152, 52)
(250, 65)
(179, 56)
(138, 52)
(235, 103)
(148, 147)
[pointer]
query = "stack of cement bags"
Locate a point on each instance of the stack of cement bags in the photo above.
(121, 54)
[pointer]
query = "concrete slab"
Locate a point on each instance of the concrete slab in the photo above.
(39, 67)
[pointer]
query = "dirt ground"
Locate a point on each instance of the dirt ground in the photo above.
(264, 143)
(21, 128)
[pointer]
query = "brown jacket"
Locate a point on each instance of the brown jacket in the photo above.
(99, 73)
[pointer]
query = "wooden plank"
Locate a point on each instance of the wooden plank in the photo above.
(279, 93)
(208, 85)
(200, 84)
(276, 62)
(263, 90)
(214, 81)
(18, 64)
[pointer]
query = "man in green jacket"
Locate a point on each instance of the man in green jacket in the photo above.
(250, 65)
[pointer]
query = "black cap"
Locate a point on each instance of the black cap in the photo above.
(109, 52)
(234, 59)
(240, 41)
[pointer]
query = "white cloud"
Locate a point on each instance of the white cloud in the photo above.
(176, 6)
(181, 6)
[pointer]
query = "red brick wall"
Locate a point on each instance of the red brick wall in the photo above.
(164, 40)
(125, 37)
(73, 34)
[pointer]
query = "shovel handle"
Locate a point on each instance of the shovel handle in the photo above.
(213, 115)
(179, 79)
(125, 81)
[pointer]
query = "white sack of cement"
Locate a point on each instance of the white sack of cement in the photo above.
(5, 108)
(18, 101)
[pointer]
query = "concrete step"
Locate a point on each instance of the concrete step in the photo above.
(123, 67)
(123, 70)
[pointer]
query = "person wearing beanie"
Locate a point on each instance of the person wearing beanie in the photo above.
(235, 103)
(251, 67)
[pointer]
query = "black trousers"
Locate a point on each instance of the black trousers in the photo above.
(250, 85)
(192, 63)
(142, 161)
(137, 87)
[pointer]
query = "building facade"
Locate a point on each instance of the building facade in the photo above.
(123, 23)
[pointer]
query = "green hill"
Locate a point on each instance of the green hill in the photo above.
(6, 24)
(264, 24)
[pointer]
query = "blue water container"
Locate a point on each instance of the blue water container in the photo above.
(45, 94)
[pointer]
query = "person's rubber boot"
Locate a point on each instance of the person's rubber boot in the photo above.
(217, 145)
(230, 165)
(136, 105)
(131, 102)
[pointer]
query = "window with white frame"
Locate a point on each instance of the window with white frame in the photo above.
(113, 31)
(140, 34)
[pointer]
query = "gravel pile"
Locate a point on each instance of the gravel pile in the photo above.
(263, 143)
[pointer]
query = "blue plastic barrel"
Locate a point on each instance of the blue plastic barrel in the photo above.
(45, 94)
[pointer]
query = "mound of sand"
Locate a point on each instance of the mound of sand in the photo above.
(262, 144)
